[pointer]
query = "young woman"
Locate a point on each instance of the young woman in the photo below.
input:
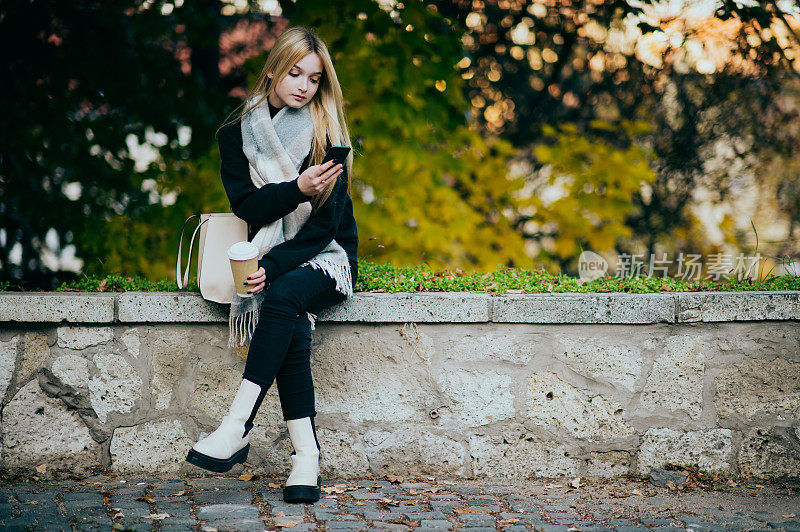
(300, 216)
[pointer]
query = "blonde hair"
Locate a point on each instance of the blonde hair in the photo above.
(325, 107)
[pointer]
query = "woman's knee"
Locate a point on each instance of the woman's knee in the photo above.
(301, 335)
(282, 293)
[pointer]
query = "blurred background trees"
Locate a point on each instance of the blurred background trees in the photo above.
(486, 132)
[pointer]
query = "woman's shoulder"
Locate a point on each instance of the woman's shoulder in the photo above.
(231, 132)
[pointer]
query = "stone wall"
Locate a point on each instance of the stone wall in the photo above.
(452, 385)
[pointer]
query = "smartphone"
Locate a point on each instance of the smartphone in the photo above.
(338, 153)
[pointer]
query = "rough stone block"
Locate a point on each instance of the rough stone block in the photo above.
(552, 402)
(410, 450)
(130, 339)
(769, 451)
(171, 347)
(516, 453)
(611, 354)
(738, 306)
(488, 343)
(583, 308)
(117, 388)
(83, 337)
(418, 307)
(711, 450)
(157, 447)
(72, 370)
(348, 361)
(38, 429)
(755, 388)
(676, 381)
(8, 359)
(169, 307)
(35, 351)
(480, 396)
(608, 464)
(343, 453)
(55, 307)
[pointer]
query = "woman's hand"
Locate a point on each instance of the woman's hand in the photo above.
(258, 279)
(315, 178)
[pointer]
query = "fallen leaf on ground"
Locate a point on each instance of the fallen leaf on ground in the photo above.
(145, 499)
(182, 492)
(156, 516)
(273, 485)
(41, 468)
(246, 476)
(788, 515)
(360, 503)
(287, 521)
(394, 478)
(336, 488)
(467, 511)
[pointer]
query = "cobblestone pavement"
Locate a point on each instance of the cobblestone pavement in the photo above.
(227, 503)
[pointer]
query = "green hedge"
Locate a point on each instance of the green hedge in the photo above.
(386, 278)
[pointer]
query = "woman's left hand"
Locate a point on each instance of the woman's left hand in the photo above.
(258, 279)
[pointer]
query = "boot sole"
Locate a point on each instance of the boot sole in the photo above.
(301, 493)
(217, 465)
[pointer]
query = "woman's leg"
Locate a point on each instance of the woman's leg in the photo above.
(295, 384)
(284, 302)
(286, 298)
(296, 391)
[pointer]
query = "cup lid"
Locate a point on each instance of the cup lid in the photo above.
(243, 250)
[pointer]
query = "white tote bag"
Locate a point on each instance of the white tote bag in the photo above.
(217, 231)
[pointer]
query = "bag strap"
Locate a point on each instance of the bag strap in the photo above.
(189, 258)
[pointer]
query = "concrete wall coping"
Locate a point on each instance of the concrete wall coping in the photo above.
(421, 307)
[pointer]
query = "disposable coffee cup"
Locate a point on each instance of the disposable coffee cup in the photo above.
(244, 261)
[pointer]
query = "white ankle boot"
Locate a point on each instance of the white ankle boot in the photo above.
(303, 484)
(230, 443)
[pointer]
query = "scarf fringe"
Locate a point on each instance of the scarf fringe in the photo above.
(242, 326)
(338, 272)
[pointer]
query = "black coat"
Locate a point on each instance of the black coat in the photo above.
(261, 206)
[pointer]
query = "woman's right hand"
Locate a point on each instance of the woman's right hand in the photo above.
(315, 178)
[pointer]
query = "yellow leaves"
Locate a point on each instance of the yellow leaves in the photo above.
(156, 516)
(337, 488)
(589, 188)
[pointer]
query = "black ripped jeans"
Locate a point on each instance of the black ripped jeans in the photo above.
(280, 349)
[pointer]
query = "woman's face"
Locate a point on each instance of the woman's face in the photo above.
(301, 83)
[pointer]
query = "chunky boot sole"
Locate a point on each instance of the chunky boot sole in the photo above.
(301, 493)
(218, 465)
